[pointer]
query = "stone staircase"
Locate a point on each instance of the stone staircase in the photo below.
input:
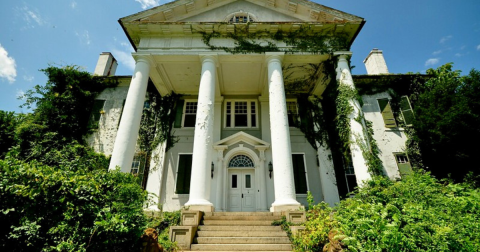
(240, 231)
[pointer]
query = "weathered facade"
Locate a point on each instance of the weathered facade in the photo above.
(240, 68)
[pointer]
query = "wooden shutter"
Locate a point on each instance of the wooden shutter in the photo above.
(179, 113)
(183, 174)
(299, 174)
(404, 167)
(407, 111)
(387, 113)
(96, 113)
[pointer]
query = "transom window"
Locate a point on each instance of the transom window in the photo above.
(241, 161)
(240, 114)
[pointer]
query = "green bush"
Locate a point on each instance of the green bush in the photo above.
(63, 209)
(418, 213)
(162, 224)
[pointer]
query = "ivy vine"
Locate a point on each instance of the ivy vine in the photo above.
(302, 40)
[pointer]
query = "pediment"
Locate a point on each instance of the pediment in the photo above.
(264, 10)
(242, 137)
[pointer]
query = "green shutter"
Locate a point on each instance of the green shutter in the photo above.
(299, 175)
(407, 111)
(387, 113)
(184, 174)
(179, 113)
(96, 114)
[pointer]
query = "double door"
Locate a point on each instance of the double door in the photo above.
(241, 190)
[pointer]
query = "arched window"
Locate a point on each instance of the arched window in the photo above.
(240, 17)
(240, 161)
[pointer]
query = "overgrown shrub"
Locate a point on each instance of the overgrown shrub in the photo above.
(47, 208)
(162, 225)
(418, 213)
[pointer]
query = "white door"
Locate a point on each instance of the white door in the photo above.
(241, 192)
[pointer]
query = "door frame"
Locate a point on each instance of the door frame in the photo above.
(259, 167)
(241, 183)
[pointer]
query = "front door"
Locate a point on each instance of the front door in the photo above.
(241, 193)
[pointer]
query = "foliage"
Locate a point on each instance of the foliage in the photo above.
(302, 40)
(62, 208)
(62, 110)
(8, 123)
(162, 225)
(417, 213)
(447, 115)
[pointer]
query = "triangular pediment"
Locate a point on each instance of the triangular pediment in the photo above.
(263, 10)
(242, 137)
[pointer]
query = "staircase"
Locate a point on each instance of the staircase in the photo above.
(240, 231)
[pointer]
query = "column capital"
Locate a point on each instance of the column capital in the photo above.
(147, 58)
(271, 56)
(342, 55)
(212, 57)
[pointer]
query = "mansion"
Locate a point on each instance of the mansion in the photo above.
(241, 68)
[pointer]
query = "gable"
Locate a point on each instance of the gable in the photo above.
(260, 13)
(217, 10)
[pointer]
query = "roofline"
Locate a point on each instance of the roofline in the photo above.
(357, 32)
(128, 35)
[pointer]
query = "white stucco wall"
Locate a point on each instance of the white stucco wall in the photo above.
(389, 140)
(103, 138)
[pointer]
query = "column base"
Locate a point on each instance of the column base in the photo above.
(201, 208)
(285, 208)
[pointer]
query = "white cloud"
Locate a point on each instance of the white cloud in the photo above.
(148, 3)
(7, 66)
(28, 78)
(432, 61)
(478, 47)
(445, 39)
(31, 16)
(73, 4)
(458, 54)
(84, 37)
(20, 94)
(437, 52)
(125, 58)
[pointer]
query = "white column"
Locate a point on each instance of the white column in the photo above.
(219, 169)
(344, 77)
(262, 179)
(285, 198)
(202, 142)
(127, 134)
(326, 170)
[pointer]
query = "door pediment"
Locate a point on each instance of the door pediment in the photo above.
(242, 137)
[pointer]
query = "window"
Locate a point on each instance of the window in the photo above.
(299, 174)
(292, 113)
(186, 113)
(387, 113)
(184, 173)
(138, 168)
(97, 112)
(407, 112)
(350, 176)
(404, 167)
(241, 161)
(240, 114)
(241, 18)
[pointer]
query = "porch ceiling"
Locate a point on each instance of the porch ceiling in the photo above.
(236, 74)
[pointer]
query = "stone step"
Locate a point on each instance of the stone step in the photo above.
(239, 228)
(237, 223)
(243, 214)
(241, 247)
(242, 240)
(243, 217)
(241, 234)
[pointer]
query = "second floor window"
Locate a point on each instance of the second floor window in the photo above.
(240, 114)
(292, 113)
(190, 114)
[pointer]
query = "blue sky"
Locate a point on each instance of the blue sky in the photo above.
(414, 36)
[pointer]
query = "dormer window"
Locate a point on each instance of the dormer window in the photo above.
(241, 17)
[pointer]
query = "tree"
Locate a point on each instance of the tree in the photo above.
(446, 125)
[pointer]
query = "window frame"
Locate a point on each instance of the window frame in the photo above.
(249, 114)
(93, 123)
(177, 170)
(395, 156)
(184, 113)
(297, 114)
(306, 172)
